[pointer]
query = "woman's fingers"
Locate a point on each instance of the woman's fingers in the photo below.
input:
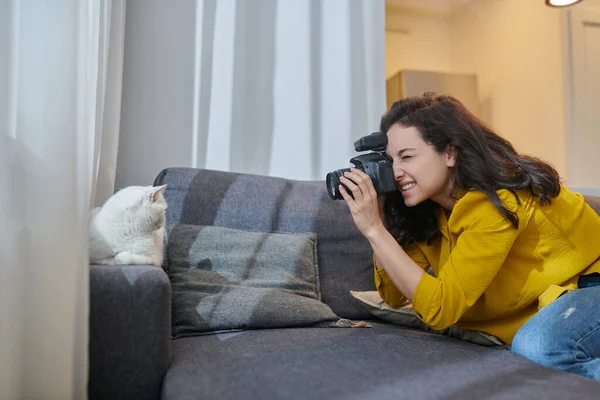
(345, 194)
(350, 185)
(357, 189)
(363, 181)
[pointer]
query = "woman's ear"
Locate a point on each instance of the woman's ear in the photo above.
(450, 156)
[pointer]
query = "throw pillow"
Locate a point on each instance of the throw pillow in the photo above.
(230, 279)
(405, 316)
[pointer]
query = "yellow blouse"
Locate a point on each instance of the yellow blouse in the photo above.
(492, 277)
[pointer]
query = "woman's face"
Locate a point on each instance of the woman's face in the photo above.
(420, 172)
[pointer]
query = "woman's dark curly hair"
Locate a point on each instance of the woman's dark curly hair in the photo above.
(485, 162)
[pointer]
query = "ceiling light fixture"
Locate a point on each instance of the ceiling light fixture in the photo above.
(561, 3)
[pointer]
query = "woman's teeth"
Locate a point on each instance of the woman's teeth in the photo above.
(408, 186)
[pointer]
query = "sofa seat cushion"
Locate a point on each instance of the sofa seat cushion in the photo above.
(384, 362)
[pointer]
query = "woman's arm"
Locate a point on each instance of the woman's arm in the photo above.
(401, 269)
(385, 287)
(366, 212)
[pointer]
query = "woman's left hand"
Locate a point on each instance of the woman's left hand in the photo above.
(364, 207)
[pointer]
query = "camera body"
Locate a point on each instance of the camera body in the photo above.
(374, 164)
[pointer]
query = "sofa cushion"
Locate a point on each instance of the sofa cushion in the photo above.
(384, 362)
(269, 204)
(405, 316)
(225, 279)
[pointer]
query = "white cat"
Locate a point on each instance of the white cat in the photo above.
(129, 227)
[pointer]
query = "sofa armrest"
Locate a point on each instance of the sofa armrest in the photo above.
(130, 331)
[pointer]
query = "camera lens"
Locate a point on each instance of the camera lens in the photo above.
(332, 186)
(333, 183)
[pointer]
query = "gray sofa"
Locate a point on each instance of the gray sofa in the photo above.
(132, 354)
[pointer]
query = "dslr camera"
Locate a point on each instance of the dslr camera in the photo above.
(374, 164)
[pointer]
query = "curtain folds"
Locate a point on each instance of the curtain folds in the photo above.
(272, 87)
(59, 119)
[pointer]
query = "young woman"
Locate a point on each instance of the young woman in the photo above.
(511, 249)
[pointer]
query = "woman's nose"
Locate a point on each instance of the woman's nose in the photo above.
(399, 173)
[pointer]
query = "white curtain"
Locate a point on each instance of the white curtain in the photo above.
(273, 87)
(58, 124)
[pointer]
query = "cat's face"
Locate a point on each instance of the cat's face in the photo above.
(139, 204)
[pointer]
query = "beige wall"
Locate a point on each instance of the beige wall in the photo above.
(414, 41)
(514, 47)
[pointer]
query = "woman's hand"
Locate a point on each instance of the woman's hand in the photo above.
(365, 207)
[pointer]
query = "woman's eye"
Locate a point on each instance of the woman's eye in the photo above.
(406, 157)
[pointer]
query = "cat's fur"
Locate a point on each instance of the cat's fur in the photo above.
(129, 227)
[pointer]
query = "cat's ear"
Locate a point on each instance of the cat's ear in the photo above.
(156, 191)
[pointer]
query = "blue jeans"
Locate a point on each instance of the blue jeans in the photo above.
(565, 334)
